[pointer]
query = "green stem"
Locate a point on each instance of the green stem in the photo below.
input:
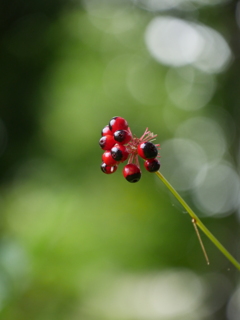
(198, 221)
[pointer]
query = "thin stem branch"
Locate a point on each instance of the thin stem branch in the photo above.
(198, 221)
(200, 240)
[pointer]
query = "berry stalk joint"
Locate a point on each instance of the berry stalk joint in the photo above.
(120, 145)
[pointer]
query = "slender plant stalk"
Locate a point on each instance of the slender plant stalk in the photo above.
(198, 222)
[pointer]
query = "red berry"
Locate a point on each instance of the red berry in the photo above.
(147, 150)
(118, 123)
(107, 142)
(108, 169)
(106, 131)
(108, 159)
(132, 173)
(119, 152)
(122, 136)
(152, 165)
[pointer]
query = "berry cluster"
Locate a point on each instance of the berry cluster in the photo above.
(119, 145)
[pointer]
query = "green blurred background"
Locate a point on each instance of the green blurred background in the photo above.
(78, 244)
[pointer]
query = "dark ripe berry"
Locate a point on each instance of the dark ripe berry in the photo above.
(152, 165)
(107, 142)
(108, 169)
(147, 150)
(106, 131)
(119, 152)
(118, 123)
(108, 159)
(132, 173)
(122, 136)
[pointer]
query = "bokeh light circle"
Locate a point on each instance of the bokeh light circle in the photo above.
(207, 133)
(189, 88)
(181, 161)
(177, 42)
(233, 308)
(149, 296)
(218, 193)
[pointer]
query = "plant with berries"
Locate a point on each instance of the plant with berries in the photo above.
(120, 145)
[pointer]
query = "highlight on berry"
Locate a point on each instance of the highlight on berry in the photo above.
(120, 145)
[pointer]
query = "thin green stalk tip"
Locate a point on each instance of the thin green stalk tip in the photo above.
(197, 222)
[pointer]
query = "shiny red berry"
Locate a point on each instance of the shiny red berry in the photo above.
(147, 150)
(108, 169)
(108, 159)
(107, 142)
(122, 136)
(106, 131)
(152, 165)
(132, 173)
(118, 123)
(119, 152)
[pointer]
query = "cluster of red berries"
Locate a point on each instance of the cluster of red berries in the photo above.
(119, 145)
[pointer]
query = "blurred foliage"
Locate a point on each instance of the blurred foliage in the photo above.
(74, 242)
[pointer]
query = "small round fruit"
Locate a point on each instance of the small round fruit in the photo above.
(132, 173)
(152, 165)
(108, 169)
(147, 150)
(122, 136)
(119, 152)
(107, 142)
(118, 123)
(106, 131)
(108, 159)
